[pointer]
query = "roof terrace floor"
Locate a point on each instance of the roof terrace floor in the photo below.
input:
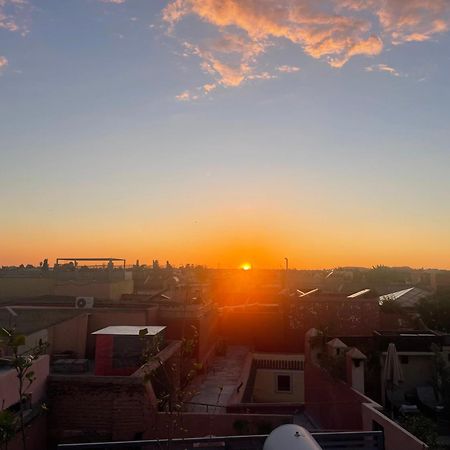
(221, 381)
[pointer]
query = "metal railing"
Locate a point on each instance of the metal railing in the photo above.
(360, 440)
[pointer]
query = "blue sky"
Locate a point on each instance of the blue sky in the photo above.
(125, 131)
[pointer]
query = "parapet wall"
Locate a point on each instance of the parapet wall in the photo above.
(335, 405)
(86, 409)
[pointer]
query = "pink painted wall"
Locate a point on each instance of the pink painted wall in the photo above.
(395, 437)
(335, 405)
(36, 436)
(9, 383)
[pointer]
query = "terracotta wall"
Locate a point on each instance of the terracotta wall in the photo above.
(340, 317)
(69, 335)
(262, 331)
(112, 290)
(394, 437)
(118, 408)
(283, 330)
(9, 383)
(205, 326)
(332, 404)
(97, 408)
(25, 286)
(36, 436)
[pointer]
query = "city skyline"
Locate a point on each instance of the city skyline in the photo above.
(224, 132)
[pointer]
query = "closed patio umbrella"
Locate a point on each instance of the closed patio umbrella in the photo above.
(393, 373)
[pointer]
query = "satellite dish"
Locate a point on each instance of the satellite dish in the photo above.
(290, 437)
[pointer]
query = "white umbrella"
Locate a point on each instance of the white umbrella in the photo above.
(393, 373)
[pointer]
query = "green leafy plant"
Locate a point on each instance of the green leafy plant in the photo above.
(22, 363)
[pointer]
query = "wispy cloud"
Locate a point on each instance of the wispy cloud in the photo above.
(406, 21)
(288, 69)
(383, 68)
(331, 30)
(209, 87)
(13, 15)
(186, 96)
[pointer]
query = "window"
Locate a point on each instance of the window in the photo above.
(283, 383)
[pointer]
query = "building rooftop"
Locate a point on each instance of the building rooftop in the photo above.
(127, 330)
(406, 297)
(363, 293)
(29, 320)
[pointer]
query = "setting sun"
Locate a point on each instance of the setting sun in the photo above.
(246, 266)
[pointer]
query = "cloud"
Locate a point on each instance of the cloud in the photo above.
(406, 21)
(383, 68)
(3, 63)
(261, 76)
(288, 69)
(186, 96)
(209, 87)
(13, 15)
(330, 30)
(250, 27)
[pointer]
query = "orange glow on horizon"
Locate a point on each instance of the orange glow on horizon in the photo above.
(246, 266)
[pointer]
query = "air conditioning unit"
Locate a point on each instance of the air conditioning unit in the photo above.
(84, 302)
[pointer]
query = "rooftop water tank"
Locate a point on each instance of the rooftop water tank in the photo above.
(290, 437)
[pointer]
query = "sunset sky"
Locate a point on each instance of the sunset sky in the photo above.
(226, 131)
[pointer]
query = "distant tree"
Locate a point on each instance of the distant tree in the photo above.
(423, 428)
(382, 275)
(22, 364)
(435, 311)
(441, 376)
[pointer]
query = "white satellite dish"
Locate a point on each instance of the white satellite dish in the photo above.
(290, 437)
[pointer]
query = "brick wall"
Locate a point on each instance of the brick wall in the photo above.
(93, 408)
(87, 409)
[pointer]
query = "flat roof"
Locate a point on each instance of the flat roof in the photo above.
(130, 330)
